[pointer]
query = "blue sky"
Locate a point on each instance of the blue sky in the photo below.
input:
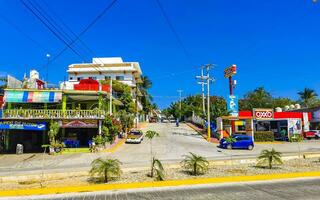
(275, 44)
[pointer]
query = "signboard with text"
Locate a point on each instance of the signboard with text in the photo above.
(79, 124)
(233, 106)
(230, 71)
(263, 114)
(32, 97)
(18, 125)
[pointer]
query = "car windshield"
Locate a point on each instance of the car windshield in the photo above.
(135, 133)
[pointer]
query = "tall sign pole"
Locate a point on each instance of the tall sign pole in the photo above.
(229, 72)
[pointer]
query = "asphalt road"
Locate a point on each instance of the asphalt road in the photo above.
(173, 143)
(297, 189)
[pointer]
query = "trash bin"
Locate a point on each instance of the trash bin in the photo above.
(19, 149)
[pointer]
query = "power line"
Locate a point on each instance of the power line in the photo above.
(95, 20)
(17, 28)
(185, 51)
(50, 28)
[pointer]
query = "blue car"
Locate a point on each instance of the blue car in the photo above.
(241, 142)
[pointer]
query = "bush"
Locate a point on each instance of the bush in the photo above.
(263, 136)
(296, 138)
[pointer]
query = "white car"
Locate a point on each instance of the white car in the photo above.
(135, 137)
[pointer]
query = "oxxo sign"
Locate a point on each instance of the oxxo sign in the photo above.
(230, 71)
(263, 114)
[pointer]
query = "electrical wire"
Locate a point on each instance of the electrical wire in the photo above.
(90, 25)
(18, 29)
(170, 24)
(50, 28)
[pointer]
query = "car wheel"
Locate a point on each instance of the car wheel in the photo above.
(317, 137)
(250, 147)
(229, 146)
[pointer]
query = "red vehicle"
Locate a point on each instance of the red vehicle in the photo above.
(312, 134)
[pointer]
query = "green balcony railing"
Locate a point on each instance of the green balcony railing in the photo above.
(52, 114)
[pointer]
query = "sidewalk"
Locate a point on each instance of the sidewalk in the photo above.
(202, 132)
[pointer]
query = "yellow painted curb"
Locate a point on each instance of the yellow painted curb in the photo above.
(275, 142)
(100, 187)
(115, 147)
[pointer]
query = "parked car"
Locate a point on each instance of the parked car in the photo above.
(135, 136)
(241, 142)
(312, 134)
(165, 120)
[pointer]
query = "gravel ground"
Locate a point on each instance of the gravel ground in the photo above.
(295, 165)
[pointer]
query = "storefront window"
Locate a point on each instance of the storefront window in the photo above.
(263, 126)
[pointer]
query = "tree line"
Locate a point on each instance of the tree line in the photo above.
(257, 98)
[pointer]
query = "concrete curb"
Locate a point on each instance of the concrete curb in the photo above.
(100, 187)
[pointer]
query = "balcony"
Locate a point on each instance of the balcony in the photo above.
(52, 114)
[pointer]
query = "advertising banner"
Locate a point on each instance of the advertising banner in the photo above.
(306, 125)
(17, 125)
(79, 124)
(32, 97)
(262, 114)
(233, 106)
(294, 126)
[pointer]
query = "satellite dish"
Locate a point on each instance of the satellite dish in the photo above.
(292, 107)
(297, 106)
(286, 108)
(278, 109)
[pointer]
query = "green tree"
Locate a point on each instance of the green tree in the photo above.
(269, 157)
(196, 164)
(258, 98)
(218, 107)
(53, 131)
(307, 96)
(282, 102)
(150, 135)
(106, 168)
(126, 120)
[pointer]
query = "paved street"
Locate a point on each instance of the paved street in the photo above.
(173, 143)
(297, 189)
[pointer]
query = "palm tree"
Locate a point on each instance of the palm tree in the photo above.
(150, 135)
(269, 157)
(158, 168)
(195, 163)
(106, 168)
(307, 95)
(146, 82)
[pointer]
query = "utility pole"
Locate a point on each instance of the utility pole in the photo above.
(202, 83)
(207, 79)
(180, 96)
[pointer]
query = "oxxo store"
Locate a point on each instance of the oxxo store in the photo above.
(282, 124)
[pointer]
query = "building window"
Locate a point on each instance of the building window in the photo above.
(93, 78)
(107, 77)
(120, 78)
(79, 78)
(71, 78)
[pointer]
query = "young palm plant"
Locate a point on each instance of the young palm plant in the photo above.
(150, 135)
(269, 157)
(158, 169)
(106, 168)
(196, 164)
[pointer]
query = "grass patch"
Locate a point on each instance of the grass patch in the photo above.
(29, 182)
(75, 150)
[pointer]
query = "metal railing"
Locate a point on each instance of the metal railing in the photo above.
(52, 114)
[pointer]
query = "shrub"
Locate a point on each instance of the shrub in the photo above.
(295, 138)
(106, 168)
(263, 136)
(269, 157)
(196, 164)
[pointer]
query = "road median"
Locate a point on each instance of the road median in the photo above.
(122, 186)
